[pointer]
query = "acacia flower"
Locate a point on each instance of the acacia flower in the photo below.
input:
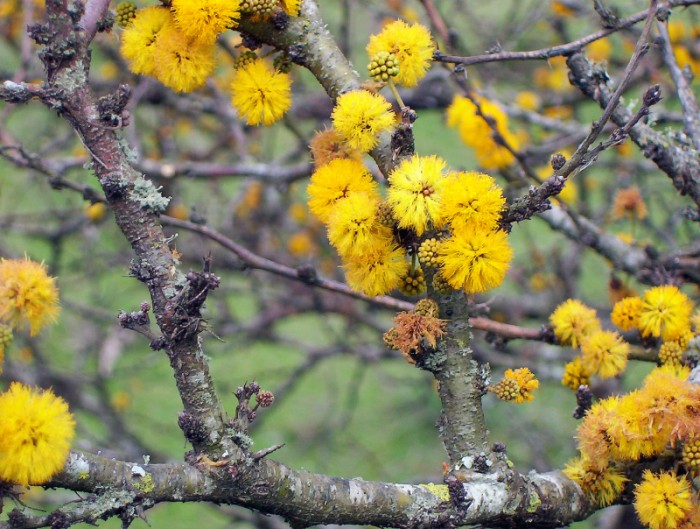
(376, 272)
(516, 385)
(412, 46)
(353, 227)
(360, 116)
(204, 20)
(416, 190)
(604, 353)
(572, 320)
(602, 485)
(335, 181)
(28, 295)
(36, 430)
(260, 93)
(327, 145)
(662, 501)
(575, 374)
(625, 313)
(181, 62)
(475, 261)
(138, 40)
(472, 199)
(665, 312)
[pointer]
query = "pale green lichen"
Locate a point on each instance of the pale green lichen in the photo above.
(441, 491)
(145, 484)
(534, 502)
(148, 196)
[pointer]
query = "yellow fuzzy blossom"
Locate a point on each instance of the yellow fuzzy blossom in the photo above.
(602, 485)
(599, 50)
(412, 46)
(572, 320)
(463, 115)
(415, 192)
(301, 244)
(575, 374)
(662, 501)
(28, 295)
(665, 312)
(181, 62)
(472, 200)
(139, 39)
(625, 313)
(517, 385)
(36, 430)
(475, 261)
(335, 181)
(594, 441)
(261, 94)
(353, 228)
(604, 353)
(204, 20)
(377, 272)
(360, 116)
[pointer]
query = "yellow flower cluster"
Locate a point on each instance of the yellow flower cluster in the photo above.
(176, 45)
(36, 430)
(422, 196)
(623, 429)
(603, 353)
(662, 312)
(464, 115)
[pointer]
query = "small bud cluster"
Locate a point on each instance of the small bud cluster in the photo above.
(671, 353)
(427, 253)
(691, 454)
(244, 59)
(126, 12)
(427, 307)
(384, 215)
(507, 389)
(258, 7)
(383, 66)
(440, 285)
(5, 336)
(413, 283)
(244, 412)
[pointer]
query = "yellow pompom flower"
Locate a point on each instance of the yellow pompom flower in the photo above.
(472, 200)
(138, 40)
(28, 295)
(411, 44)
(602, 485)
(665, 312)
(662, 501)
(291, 7)
(378, 271)
(360, 116)
(335, 181)
(572, 320)
(415, 192)
(575, 374)
(36, 430)
(475, 261)
(204, 20)
(260, 93)
(625, 313)
(182, 63)
(604, 353)
(517, 385)
(353, 227)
